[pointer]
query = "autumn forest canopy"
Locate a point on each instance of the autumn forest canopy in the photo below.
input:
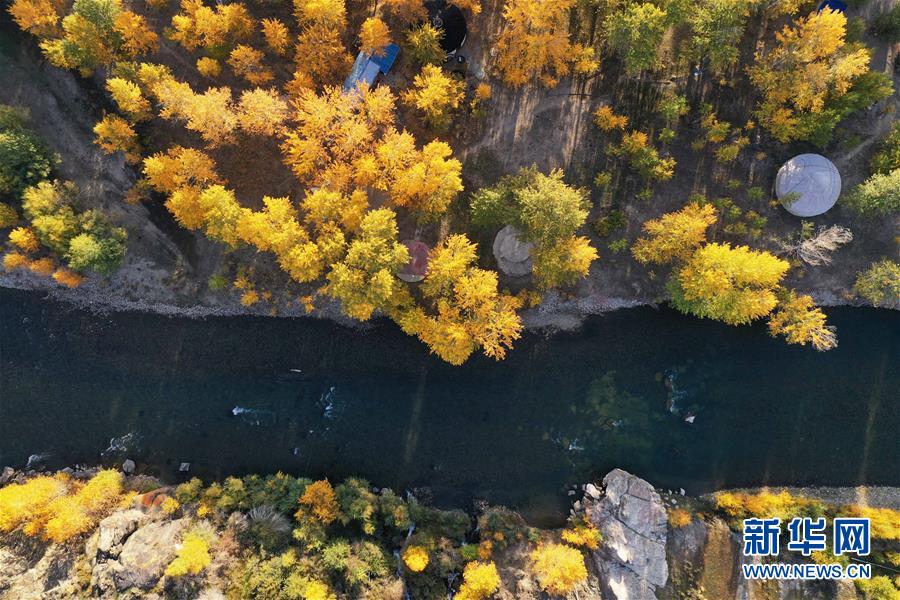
(193, 85)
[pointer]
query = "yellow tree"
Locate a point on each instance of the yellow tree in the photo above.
(114, 134)
(38, 17)
(332, 132)
(733, 285)
(128, 98)
(374, 36)
(364, 281)
(248, 63)
(211, 114)
(810, 67)
(137, 37)
(261, 112)
(800, 321)
(320, 501)
(278, 37)
(429, 184)
(534, 42)
(436, 94)
(221, 214)
(558, 568)
(321, 53)
(480, 580)
(674, 236)
(332, 12)
(408, 11)
(464, 311)
(178, 168)
(198, 25)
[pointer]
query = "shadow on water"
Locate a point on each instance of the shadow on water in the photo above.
(681, 402)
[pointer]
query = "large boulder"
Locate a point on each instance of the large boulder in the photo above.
(146, 554)
(114, 529)
(631, 561)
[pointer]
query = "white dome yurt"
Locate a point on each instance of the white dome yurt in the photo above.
(512, 253)
(808, 185)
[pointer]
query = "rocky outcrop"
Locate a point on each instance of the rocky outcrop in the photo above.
(145, 555)
(631, 561)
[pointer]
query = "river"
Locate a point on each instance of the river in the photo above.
(249, 394)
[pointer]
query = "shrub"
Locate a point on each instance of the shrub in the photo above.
(767, 505)
(415, 558)
(480, 580)
(887, 154)
(20, 502)
(582, 534)
(679, 517)
(193, 556)
(880, 284)
(8, 216)
(558, 568)
(887, 26)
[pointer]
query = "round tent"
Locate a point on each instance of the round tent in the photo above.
(448, 19)
(808, 185)
(415, 270)
(512, 253)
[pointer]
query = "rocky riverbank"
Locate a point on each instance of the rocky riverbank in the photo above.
(168, 269)
(654, 546)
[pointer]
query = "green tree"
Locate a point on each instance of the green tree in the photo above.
(635, 32)
(24, 159)
(879, 195)
(880, 284)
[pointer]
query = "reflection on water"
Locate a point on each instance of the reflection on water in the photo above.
(682, 402)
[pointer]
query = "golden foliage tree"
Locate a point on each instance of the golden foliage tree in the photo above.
(211, 114)
(333, 131)
(261, 112)
(674, 236)
(178, 168)
(800, 321)
(534, 43)
(129, 98)
(319, 499)
(408, 11)
(364, 281)
(37, 17)
(374, 36)
(465, 311)
(278, 37)
(436, 94)
(115, 134)
(321, 53)
(607, 120)
(248, 63)
(426, 183)
(810, 67)
(733, 285)
(558, 568)
(200, 26)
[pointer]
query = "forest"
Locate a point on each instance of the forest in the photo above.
(234, 118)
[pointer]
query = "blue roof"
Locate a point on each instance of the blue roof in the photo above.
(366, 67)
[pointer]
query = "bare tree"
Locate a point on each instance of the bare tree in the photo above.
(817, 250)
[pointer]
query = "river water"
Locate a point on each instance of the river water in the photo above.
(250, 394)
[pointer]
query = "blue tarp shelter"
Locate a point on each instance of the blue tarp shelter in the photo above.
(367, 67)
